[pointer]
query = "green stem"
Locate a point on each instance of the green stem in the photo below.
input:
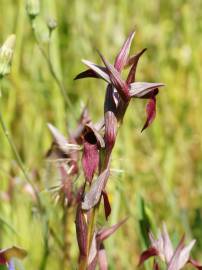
(18, 158)
(59, 83)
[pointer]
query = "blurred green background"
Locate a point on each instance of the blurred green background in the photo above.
(162, 165)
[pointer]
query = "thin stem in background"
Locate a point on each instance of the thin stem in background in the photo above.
(59, 83)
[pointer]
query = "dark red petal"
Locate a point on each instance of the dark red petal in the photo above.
(195, 264)
(141, 89)
(100, 71)
(81, 231)
(90, 160)
(92, 197)
(122, 56)
(89, 73)
(134, 61)
(116, 80)
(150, 252)
(103, 234)
(107, 205)
(151, 112)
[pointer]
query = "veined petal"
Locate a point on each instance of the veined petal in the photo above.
(174, 262)
(168, 247)
(122, 56)
(185, 254)
(116, 80)
(151, 112)
(92, 197)
(141, 89)
(133, 61)
(100, 71)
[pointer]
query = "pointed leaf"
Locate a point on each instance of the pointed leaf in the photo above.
(134, 61)
(103, 234)
(116, 80)
(141, 89)
(122, 57)
(151, 112)
(92, 197)
(150, 252)
(107, 205)
(100, 71)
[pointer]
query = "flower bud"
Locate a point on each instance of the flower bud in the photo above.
(6, 55)
(51, 23)
(33, 8)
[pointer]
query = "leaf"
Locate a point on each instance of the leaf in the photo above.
(81, 231)
(92, 197)
(122, 56)
(151, 112)
(133, 61)
(100, 71)
(107, 205)
(150, 252)
(103, 234)
(141, 89)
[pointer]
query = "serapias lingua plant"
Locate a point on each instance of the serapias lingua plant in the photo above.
(162, 248)
(119, 92)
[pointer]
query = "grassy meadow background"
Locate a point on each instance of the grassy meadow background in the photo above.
(161, 166)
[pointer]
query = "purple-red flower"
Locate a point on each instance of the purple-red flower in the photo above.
(175, 259)
(119, 91)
